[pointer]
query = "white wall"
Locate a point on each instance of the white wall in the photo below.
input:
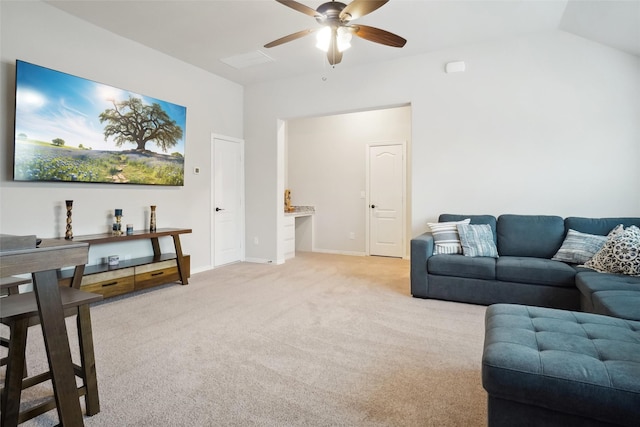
(326, 168)
(41, 34)
(544, 124)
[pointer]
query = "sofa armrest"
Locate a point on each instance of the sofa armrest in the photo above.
(421, 249)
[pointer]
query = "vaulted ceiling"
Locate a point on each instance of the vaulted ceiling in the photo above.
(205, 32)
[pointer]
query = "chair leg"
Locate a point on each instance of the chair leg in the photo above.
(4, 342)
(15, 369)
(87, 360)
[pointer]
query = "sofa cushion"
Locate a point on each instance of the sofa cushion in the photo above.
(622, 304)
(477, 240)
(610, 294)
(571, 362)
(620, 253)
(538, 271)
(475, 219)
(462, 266)
(601, 226)
(445, 236)
(538, 236)
(579, 248)
(589, 281)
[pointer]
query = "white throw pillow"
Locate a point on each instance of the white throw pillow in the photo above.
(446, 237)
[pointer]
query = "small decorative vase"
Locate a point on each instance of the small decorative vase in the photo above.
(152, 221)
(68, 235)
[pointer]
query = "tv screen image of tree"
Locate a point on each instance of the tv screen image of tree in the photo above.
(72, 129)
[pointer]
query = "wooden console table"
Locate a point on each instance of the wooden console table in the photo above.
(43, 262)
(137, 273)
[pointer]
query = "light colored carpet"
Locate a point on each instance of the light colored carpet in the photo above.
(323, 340)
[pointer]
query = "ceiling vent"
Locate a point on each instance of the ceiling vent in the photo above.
(246, 60)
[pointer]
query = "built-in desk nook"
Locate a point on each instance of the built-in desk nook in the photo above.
(137, 273)
(298, 230)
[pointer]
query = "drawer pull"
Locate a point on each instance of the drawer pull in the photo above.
(109, 284)
(159, 273)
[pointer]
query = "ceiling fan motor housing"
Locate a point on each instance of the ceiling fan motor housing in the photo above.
(329, 13)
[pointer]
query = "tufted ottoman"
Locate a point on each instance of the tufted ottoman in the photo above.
(549, 367)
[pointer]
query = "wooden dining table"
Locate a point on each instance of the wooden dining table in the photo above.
(43, 262)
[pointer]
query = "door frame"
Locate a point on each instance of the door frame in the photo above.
(368, 194)
(212, 198)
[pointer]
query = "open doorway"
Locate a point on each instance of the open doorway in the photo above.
(325, 166)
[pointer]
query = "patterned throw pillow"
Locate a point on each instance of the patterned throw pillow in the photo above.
(477, 240)
(445, 236)
(620, 254)
(578, 247)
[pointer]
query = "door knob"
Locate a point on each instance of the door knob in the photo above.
(219, 209)
(373, 206)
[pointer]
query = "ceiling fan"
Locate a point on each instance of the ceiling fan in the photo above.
(334, 36)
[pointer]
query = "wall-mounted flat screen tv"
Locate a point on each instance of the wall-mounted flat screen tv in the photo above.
(70, 129)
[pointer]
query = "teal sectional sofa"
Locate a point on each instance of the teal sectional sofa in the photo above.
(524, 272)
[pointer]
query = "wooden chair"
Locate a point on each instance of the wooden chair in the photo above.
(19, 311)
(10, 286)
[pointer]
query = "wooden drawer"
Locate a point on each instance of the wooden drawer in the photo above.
(109, 283)
(156, 274)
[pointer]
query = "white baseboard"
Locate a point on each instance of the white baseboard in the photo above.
(261, 261)
(329, 251)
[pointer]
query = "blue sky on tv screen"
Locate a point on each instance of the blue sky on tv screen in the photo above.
(51, 104)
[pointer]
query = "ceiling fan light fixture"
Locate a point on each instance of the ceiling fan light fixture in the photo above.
(343, 39)
(323, 39)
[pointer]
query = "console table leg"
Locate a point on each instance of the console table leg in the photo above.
(76, 281)
(156, 246)
(180, 260)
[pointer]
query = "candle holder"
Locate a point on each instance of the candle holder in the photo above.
(152, 220)
(68, 235)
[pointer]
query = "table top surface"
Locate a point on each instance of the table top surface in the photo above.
(51, 254)
(45, 246)
(137, 234)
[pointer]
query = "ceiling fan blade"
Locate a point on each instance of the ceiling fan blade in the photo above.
(289, 38)
(359, 8)
(333, 54)
(299, 7)
(377, 35)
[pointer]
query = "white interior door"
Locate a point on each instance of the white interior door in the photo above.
(228, 201)
(386, 176)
